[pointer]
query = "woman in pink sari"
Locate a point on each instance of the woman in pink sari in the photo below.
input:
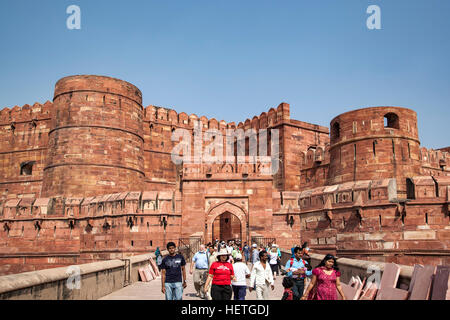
(325, 281)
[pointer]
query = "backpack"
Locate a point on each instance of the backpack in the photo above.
(304, 263)
(292, 262)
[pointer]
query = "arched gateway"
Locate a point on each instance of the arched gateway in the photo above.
(226, 221)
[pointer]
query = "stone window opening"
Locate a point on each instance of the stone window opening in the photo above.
(391, 121)
(410, 192)
(426, 217)
(374, 144)
(335, 130)
(26, 168)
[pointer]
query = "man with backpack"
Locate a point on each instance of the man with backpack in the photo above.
(298, 269)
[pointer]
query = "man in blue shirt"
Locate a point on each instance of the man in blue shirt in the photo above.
(297, 270)
(173, 274)
(201, 263)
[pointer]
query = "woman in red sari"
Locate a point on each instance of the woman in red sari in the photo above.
(325, 281)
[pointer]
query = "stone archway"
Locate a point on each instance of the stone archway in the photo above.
(226, 208)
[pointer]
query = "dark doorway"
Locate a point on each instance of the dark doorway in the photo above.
(227, 227)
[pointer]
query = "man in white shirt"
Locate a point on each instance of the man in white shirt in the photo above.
(229, 247)
(241, 272)
(262, 277)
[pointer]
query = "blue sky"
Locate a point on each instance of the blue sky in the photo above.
(232, 60)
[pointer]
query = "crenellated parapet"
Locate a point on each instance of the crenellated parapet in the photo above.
(26, 113)
(435, 162)
(227, 171)
(169, 117)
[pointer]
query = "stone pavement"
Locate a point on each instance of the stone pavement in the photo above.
(152, 290)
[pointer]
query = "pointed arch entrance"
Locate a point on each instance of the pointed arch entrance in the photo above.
(227, 227)
(226, 220)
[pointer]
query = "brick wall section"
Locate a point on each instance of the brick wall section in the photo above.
(23, 138)
(113, 226)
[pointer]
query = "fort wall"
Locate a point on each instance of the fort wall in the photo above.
(90, 177)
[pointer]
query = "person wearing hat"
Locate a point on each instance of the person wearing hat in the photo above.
(220, 275)
(241, 272)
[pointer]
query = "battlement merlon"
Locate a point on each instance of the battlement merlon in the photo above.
(272, 118)
(26, 113)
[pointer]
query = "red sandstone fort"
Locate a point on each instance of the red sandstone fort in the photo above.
(89, 177)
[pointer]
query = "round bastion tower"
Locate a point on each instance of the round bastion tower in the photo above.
(96, 139)
(375, 143)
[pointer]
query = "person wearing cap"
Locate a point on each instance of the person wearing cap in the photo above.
(221, 273)
(241, 272)
(255, 253)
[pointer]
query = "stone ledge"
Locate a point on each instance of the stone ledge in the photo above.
(29, 279)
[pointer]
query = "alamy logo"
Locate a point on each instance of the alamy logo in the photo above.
(74, 280)
(374, 21)
(375, 276)
(74, 20)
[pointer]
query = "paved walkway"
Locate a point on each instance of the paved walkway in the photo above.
(152, 290)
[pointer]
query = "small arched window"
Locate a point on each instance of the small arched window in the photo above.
(335, 130)
(391, 121)
(26, 168)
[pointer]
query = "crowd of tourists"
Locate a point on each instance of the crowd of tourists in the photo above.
(225, 270)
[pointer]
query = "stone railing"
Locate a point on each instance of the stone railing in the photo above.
(96, 280)
(354, 267)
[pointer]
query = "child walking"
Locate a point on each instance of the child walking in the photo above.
(288, 284)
